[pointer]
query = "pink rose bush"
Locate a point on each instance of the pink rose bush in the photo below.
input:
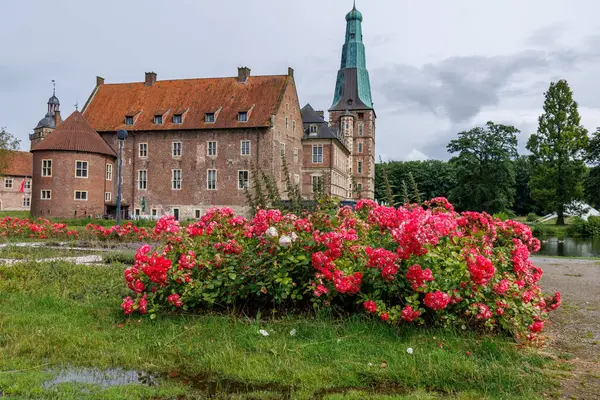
(34, 229)
(410, 265)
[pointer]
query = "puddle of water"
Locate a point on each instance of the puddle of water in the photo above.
(104, 378)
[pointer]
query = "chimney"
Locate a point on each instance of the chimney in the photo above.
(150, 78)
(99, 81)
(243, 74)
(321, 114)
(56, 118)
(291, 72)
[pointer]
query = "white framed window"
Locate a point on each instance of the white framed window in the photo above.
(209, 118)
(211, 149)
(317, 154)
(81, 169)
(26, 201)
(177, 119)
(243, 179)
(245, 147)
(46, 167)
(359, 169)
(176, 179)
(317, 183)
(27, 184)
(313, 129)
(81, 195)
(138, 212)
(107, 196)
(282, 149)
(360, 129)
(129, 120)
(296, 179)
(176, 149)
(143, 150)
(8, 183)
(109, 172)
(154, 212)
(295, 154)
(197, 214)
(46, 194)
(211, 179)
(158, 119)
(243, 116)
(142, 179)
(360, 147)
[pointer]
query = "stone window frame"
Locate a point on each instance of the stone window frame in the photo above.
(243, 116)
(49, 197)
(26, 199)
(107, 196)
(312, 181)
(174, 148)
(296, 179)
(129, 120)
(143, 186)
(313, 129)
(145, 150)
(208, 181)
(85, 164)
(293, 126)
(296, 154)
(158, 119)
(315, 155)
(360, 147)
(137, 212)
(197, 213)
(208, 148)
(27, 184)
(109, 172)
(240, 179)
(361, 128)
(178, 119)
(176, 181)
(81, 197)
(281, 149)
(359, 167)
(242, 147)
(209, 118)
(154, 212)
(8, 183)
(47, 167)
(287, 124)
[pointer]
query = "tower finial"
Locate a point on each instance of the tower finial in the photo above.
(354, 7)
(77, 106)
(53, 87)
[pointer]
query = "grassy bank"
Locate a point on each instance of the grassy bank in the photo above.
(55, 316)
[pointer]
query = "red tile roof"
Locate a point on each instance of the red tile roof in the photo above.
(259, 95)
(16, 163)
(75, 134)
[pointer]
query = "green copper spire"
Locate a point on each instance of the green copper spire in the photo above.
(353, 88)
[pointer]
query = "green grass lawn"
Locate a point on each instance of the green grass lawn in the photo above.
(14, 214)
(55, 316)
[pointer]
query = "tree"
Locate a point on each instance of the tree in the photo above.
(591, 184)
(524, 204)
(558, 152)
(485, 168)
(7, 143)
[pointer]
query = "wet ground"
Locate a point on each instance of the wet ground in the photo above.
(574, 332)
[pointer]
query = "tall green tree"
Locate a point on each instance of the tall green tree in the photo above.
(485, 168)
(591, 184)
(524, 204)
(7, 143)
(558, 152)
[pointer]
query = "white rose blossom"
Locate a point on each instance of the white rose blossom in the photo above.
(272, 232)
(285, 241)
(293, 236)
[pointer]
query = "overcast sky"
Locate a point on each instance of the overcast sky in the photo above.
(437, 67)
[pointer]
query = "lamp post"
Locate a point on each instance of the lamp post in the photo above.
(121, 135)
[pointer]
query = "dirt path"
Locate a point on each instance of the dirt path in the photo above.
(575, 326)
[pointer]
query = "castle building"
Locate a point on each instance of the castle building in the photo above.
(194, 144)
(15, 184)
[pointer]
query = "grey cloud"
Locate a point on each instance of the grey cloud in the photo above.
(547, 36)
(460, 87)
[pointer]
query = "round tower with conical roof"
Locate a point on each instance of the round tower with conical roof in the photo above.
(47, 124)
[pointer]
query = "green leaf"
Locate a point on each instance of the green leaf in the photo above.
(232, 276)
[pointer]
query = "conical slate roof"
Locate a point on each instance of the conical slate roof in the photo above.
(75, 134)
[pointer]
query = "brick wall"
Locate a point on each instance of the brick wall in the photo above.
(63, 185)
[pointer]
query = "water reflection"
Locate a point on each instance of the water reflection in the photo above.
(570, 247)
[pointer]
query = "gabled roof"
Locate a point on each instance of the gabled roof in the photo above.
(16, 163)
(259, 95)
(309, 115)
(324, 131)
(75, 134)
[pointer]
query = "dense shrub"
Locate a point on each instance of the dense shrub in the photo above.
(532, 217)
(591, 227)
(407, 265)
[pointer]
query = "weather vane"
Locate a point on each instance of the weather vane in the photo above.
(53, 87)
(77, 106)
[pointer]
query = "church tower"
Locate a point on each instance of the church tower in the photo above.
(49, 122)
(352, 111)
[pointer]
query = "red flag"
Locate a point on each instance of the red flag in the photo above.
(22, 187)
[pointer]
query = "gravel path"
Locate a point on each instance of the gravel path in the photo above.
(575, 326)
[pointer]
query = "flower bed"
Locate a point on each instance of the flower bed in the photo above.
(407, 265)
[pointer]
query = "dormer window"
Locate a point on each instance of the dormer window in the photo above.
(352, 35)
(350, 102)
(209, 118)
(313, 129)
(158, 120)
(177, 118)
(129, 121)
(243, 116)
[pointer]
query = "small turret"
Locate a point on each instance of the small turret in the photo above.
(50, 121)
